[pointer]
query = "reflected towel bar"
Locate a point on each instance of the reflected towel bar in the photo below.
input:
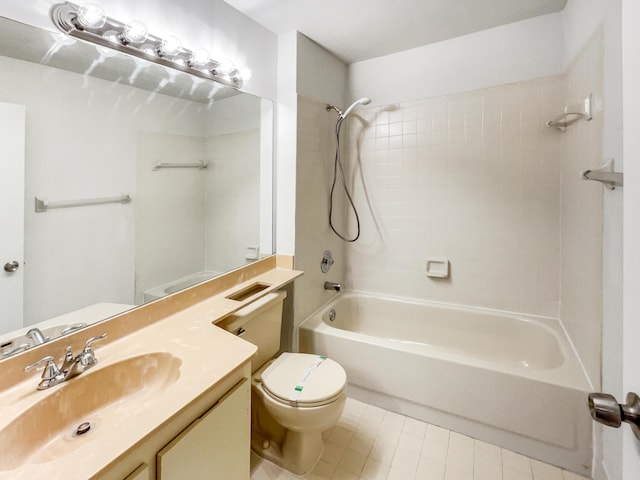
(573, 113)
(199, 166)
(42, 205)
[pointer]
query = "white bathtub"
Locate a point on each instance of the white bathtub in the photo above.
(177, 285)
(509, 379)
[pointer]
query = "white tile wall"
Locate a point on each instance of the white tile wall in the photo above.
(232, 191)
(582, 212)
(314, 173)
(473, 177)
(169, 210)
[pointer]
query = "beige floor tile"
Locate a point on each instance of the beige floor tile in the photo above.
(374, 470)
(352, 462)
(341, 474)
(406, 460)
(510, 474)
(370, 443)
(397, 474)
(430, 470)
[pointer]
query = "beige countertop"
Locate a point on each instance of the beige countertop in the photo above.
(178, 357)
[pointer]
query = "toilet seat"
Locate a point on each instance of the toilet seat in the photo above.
(303, 380)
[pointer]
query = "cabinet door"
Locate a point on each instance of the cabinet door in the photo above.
(141, 473)
(216, 446)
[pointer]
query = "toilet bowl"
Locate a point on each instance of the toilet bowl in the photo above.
(294, 397)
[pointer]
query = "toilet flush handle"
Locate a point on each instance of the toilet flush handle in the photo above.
(605, 409)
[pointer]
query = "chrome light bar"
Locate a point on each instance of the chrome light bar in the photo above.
(89, 23)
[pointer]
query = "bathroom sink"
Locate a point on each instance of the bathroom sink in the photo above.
(103, 397)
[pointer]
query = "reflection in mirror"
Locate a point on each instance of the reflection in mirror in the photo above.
(194, 157)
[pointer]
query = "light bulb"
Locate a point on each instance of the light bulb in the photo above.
(148, 49)
(225, 67)
(199, 58)
(245, 74)
(112, 36)
(135, 32)
(91, 16)
(170, 46)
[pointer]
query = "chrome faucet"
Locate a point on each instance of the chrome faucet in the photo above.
(36, 336)
(332, 286)
(71, 366)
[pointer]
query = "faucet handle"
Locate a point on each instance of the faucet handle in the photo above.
(50, 369)
(87, 344)
(50, 376)
(88, 358)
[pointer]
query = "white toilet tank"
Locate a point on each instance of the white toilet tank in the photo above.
(259, 323)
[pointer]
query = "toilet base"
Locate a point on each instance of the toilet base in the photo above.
(298, 453)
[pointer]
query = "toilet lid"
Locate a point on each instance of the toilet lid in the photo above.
(304, 379)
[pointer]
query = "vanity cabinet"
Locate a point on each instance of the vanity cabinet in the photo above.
(209, 439)
(215, 446)
(141, 473)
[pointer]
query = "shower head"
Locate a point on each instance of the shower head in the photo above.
(360, 101)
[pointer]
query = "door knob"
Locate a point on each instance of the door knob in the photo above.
(605, 409)
(11, 267)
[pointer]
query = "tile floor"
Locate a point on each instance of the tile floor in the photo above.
(370, 443)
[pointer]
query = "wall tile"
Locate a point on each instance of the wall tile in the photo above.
(488, 203)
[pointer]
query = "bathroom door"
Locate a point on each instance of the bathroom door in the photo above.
(630, 354)
(12, 146)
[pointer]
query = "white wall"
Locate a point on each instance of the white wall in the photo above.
(580, 19)
(321, 75)
(286, 128)
(211, 24)
(511, 53)
(631, 358)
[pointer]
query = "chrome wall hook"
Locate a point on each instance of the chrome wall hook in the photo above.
(606, 175)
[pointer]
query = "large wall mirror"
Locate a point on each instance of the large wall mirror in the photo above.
(147, 181)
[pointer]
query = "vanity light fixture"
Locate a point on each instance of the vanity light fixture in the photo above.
(90, 23)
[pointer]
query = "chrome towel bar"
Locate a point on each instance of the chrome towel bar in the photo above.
(199, 166)
(43, 205)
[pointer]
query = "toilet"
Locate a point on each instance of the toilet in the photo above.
(295, 397)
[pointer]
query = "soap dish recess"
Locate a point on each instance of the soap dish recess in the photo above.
(437, 267)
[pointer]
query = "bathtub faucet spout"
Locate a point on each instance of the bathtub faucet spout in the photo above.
(332, 286)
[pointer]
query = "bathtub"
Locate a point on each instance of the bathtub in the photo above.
(509, 379)
(177, 285)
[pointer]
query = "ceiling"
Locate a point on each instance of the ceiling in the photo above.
(356, 30)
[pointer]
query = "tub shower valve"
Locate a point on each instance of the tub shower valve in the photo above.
(605, 409)
(326, 261)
